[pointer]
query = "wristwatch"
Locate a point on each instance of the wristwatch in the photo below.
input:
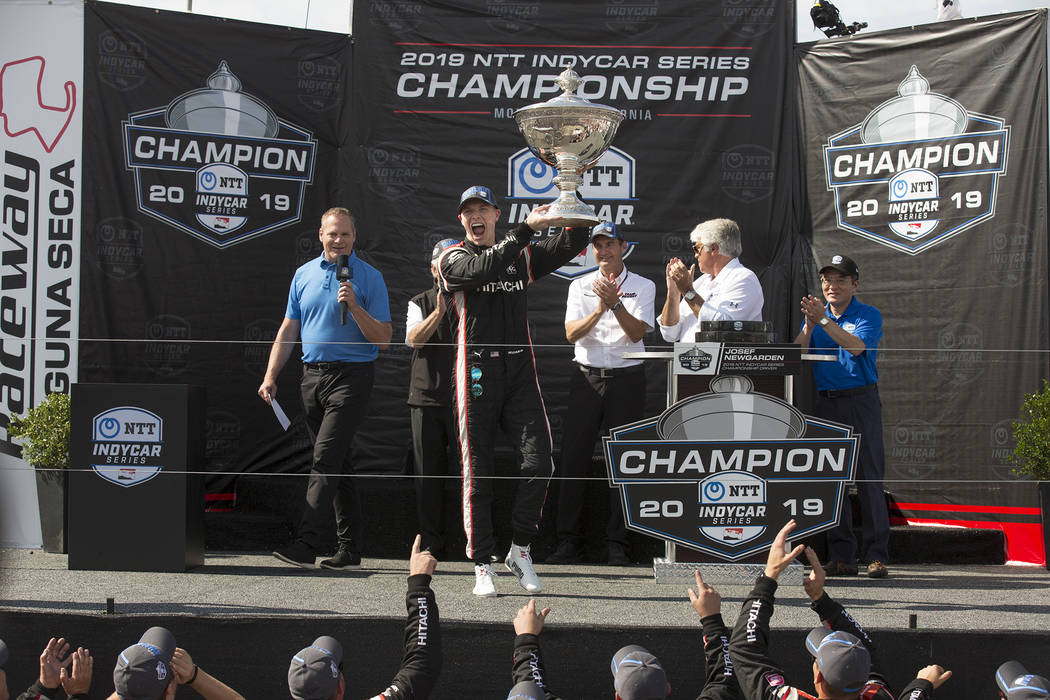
(619, 305)
(690, 295)
(825, 321)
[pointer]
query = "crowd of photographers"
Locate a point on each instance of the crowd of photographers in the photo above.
(739, 662)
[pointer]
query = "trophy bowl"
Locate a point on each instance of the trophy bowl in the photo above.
(570, 134)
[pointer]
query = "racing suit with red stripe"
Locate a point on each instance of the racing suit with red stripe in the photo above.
(494, 378)
(760, 677)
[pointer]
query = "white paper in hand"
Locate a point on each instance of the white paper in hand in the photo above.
(279, 412)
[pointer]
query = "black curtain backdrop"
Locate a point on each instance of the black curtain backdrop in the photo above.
(953, 251)
(708, 132)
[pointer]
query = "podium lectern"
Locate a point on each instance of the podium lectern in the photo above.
(133, 506)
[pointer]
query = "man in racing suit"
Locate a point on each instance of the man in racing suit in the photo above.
(316, 671)
(844, 668)
(494, 377)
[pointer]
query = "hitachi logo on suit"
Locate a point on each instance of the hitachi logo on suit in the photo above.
(503, 286)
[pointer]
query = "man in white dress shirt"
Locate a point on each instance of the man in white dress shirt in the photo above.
(725, 291)
(606, 315)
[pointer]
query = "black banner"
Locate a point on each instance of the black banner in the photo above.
(213, 149)
(926, 152)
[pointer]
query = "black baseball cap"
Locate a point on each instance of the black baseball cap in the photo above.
(314, 671)
(1018, 684)
(476, 192)
(842, 659)
(143, 670)
(605, 228)
(841, 263)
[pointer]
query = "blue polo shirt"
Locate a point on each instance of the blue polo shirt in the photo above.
(312, 300)
(850, 371)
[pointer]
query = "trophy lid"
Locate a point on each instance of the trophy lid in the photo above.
(221, 108)
(569, 102)
(916, 113)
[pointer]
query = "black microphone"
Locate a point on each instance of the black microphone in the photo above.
(343, 273)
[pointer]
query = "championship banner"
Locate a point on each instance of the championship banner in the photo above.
(214, 151)
(926, 158)
(41, 107)
(708, 131)
(730, 496)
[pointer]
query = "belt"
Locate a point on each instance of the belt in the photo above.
(604, 372)
(855, 391)
(485, 353)
(325, 366)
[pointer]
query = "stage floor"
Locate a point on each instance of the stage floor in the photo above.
(246, 585)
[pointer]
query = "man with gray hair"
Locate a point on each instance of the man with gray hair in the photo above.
(725, 290)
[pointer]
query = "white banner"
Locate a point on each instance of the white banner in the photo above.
(41, 96)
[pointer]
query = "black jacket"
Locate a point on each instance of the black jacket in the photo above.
(421, 663)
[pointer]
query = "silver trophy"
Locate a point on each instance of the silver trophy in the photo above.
(570, 134)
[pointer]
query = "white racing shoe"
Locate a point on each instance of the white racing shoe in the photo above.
(519, 562)
(484, 581)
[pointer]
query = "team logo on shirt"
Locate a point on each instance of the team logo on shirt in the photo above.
(918, 170)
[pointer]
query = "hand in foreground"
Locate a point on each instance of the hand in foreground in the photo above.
(706, 601)
(79, 681)
(934, 674)
(779, 558)
(814, 583)
(529, 620)
(52, 660)
(421, 562)
(182, 665)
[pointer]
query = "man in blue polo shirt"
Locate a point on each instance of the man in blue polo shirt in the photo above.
(847, 392)
(337, 380)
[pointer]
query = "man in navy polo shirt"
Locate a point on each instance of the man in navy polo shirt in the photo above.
(847, 392)
(337, 381)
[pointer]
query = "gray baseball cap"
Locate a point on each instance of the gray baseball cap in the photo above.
(314, 671)
(842, 658)
(143, 670)
(638, 675)
(1018, 684)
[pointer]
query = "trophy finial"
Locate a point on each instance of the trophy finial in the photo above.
(568, 81)
(223, 79)
(913, 84)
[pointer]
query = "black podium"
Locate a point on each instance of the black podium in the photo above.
(132, 504)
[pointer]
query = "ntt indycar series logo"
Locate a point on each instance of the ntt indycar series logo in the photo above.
(918, 170)
(218, 164)
(126, 445)
(608, 186)
(723, 471)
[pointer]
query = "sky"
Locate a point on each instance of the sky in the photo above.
(334, 15)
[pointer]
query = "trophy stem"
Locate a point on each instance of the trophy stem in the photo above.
(568, 206)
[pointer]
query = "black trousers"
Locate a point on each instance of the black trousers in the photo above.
(436, 456)
(502, 392)
(596, 404)
(335, 400)
(864, 413)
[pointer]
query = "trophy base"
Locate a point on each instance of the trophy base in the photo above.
(573, 214)
(665, 571)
